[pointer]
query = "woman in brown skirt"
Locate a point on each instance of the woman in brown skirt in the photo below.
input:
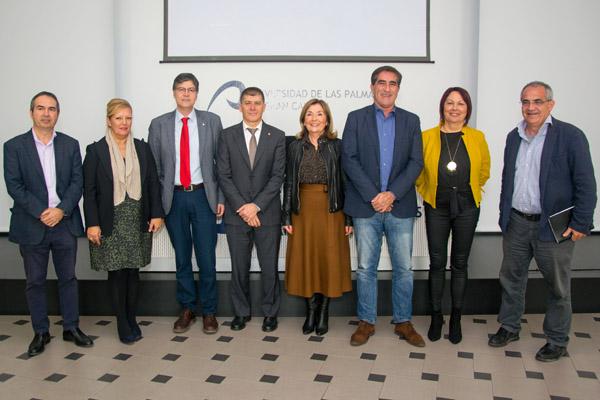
(318, 252)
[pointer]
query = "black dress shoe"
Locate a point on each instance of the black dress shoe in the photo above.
(550, 352)
(269, 324)
(37, 345)
(238, 323)
(79, 338)
(502, 338)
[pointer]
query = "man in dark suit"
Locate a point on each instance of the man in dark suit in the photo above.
(547, 168)
(42, 171)
(251, 165)
(382, 156)
(184, 146)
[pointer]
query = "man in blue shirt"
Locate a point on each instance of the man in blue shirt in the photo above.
(184, 145)
(382, 157)
(547, 168)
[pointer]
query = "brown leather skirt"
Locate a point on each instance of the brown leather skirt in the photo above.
(318, 252)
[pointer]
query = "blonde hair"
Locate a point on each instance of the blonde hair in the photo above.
(329, 132)
(116, 104)
(113, 106)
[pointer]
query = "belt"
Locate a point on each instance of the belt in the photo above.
(190, 188)
(528, 217)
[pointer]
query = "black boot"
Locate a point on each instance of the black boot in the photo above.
(312, 304)
(435, 328)
(117, 280)
(133, 279)
(455, 334)
(323, 317)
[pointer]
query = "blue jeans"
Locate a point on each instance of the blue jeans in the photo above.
(191, 221)
(399, 237)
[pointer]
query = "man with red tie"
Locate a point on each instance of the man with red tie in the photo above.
(184, 144)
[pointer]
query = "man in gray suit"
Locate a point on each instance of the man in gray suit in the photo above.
(250, 166)
(184, 145)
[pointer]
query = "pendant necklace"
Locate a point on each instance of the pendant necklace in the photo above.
(451, 166)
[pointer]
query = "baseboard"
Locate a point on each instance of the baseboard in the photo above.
(157, 297)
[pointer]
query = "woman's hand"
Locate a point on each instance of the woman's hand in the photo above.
(155, 224)
(288, 229)
(348, 230)
(94, 234)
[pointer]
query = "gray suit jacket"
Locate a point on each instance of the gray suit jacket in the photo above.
(260, 185)
(161, 138)
(26, 184)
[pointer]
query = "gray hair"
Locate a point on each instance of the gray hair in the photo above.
(547, 88)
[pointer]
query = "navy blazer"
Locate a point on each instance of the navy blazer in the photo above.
(26, 185)
(360, 161)
(98, 194)
(566, 178)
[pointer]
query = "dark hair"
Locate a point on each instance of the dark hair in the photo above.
(44, 93)
(465, 96)
(387, 68)
(329, 132)
(252, 91)
(184, 77)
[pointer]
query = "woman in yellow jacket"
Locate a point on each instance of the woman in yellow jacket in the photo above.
(457, 165)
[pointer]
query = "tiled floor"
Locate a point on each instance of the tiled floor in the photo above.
(285, 364)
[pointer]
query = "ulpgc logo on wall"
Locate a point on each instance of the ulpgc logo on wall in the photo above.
(285, 103)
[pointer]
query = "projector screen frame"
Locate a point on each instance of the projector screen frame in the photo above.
(289, 58)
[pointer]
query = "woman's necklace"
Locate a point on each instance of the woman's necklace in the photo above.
(451, 166)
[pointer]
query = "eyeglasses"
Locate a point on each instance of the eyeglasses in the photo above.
(536, 102)
(182, 90)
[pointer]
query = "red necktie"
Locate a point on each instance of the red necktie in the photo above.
(184, 155)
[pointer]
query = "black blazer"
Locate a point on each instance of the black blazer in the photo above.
(330, 150)
(25, 183)
(98, 188)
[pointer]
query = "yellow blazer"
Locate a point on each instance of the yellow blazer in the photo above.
(479, 155)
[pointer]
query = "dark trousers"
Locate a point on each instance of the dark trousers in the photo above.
(439, 224)
(520, 244)
(63, 246)
(192, 222)
(123, 284)
(241, 239)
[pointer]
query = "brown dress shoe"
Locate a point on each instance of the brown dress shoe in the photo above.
(209, 324)
(406, 331)
(185, 320)
(362, 333)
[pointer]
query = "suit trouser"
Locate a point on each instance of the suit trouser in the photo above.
(63, 246)
(192, 221)
(520, 244)
(241, 239)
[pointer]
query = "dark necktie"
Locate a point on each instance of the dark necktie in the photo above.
(184, 155)
(252, 146)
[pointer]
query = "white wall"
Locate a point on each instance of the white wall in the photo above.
(550, 40)
(66, 47)
(90, 51)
